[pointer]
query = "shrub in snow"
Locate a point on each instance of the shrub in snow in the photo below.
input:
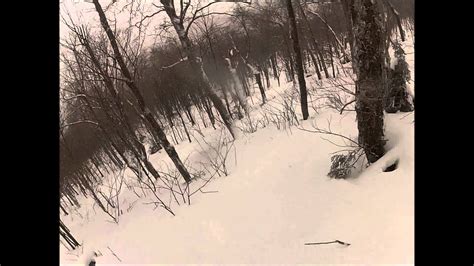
(342, 164)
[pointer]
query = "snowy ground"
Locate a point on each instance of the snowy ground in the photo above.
(276, 198)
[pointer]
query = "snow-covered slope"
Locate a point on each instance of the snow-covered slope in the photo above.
(276, 198)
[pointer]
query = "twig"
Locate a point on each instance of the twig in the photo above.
(114, 254)
(330, 133)
(331, 242)
(345, 105)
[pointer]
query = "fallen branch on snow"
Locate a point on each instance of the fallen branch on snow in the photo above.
(331, 242)
(113, 253)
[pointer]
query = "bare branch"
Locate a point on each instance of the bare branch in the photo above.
(183, 11)
(140, 23)
(195, 15)
(323, 131)
(174, 64)
(74, 97)
(330, 29)
(342, 109)
(79, 122)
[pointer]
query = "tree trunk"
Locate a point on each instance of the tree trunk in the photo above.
(190, 116)
(64, 210)
(184, 125)
(369, 51)
(289, 62)
(208, 108)
(202, 109)
(66, 234)
(267, 77)
(244, 83)
(226, 99)
(289, 71)
(321, 60)
(298, 59)
(347, 9)
(275, 70)
(258, 79)
(332, 60)
(315, 63)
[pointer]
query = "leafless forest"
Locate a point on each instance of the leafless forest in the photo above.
(151, 75)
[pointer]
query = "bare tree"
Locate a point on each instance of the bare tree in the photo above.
(298, 60)
(191, 56)
(145, 111)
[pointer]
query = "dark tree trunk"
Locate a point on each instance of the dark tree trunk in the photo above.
(369, 51)
(201, 110)
(321, 60)
(96, 198)
(190, 116)
(347, 9)
(330, 49)
(66, 234)
(184, 125)
(258, 79)
(315, 63)
(289, 62)
(298, 59)
(267, 77)
(246, 88)
(275, 70)
(210, 114)
(64, 210)
(245, 84)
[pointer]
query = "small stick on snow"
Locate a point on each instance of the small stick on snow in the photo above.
(211, 191)
(114, 254)
(331, 242)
